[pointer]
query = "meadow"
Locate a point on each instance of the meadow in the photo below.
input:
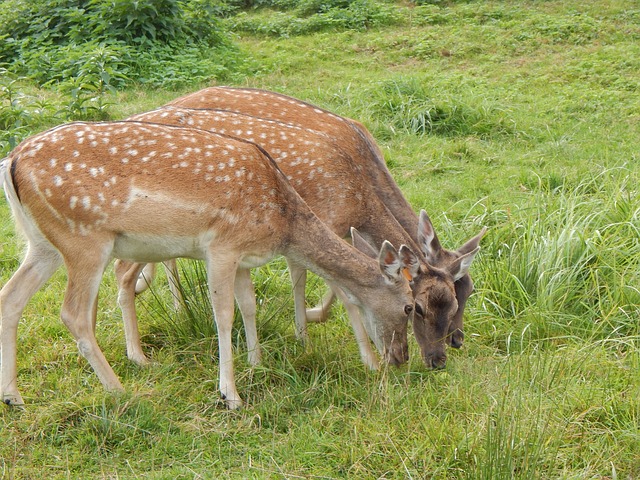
(523, 117)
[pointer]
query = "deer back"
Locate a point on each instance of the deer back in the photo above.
(329, 179)
(139, 184)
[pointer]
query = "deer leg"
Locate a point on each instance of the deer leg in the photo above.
(77, 314)
(127, 276)
(221, 272)
(246, 298)
(320, 313)
(145, 277)
(37, 267)
(171, 268)
(368, 356)
(299, 280)
(464, 288)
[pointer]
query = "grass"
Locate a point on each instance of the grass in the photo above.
(520, 117)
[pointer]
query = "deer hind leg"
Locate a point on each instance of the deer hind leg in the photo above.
(320, 313)
(84, 276)
(367, 354)
(128, 277)
(299, 280)
(148, 273)
(221, 273)
(171, 268)
(246, 298)
(145, 276)
(37, 267)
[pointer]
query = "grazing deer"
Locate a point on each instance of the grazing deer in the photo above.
(84, 193)
(330, 183)
(354, 139)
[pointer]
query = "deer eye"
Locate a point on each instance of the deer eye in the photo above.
(419, 310)
(408, 309)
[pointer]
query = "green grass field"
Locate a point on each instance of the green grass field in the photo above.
(520, 116)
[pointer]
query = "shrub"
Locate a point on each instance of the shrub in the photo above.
(312, 16)
(112, 42)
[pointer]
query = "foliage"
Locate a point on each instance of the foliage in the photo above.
(53, 41)
(317, 16)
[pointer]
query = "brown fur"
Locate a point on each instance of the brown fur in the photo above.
(146, 192)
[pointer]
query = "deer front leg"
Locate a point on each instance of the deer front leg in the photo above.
(464, 287)
(127, 276)
(299, 280)
(246, 298)
(37, 267)
(221, 272)
(367, 354)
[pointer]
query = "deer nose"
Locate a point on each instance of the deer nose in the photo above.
(436, 361)
(457, 338)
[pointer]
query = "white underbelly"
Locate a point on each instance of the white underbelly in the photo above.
(253, 260)
(148, 248)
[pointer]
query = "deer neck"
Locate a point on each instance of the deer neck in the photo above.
(383, 183)
(318, 249)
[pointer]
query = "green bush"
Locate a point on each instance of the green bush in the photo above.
(310, 16)
(113, 42)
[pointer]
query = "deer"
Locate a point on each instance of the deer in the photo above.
(359, 144)
(84, 193)
(317, 168)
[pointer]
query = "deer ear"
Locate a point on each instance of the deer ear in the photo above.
(427, 239)
(361, 244)
(460, 267)
(410, 263)
(390, 263)
(473, 243)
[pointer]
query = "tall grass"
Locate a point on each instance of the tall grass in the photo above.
(414, 106)
(569, 262)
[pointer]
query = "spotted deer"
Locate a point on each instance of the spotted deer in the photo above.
(329, 181)
(84, 193)
(357, 143)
